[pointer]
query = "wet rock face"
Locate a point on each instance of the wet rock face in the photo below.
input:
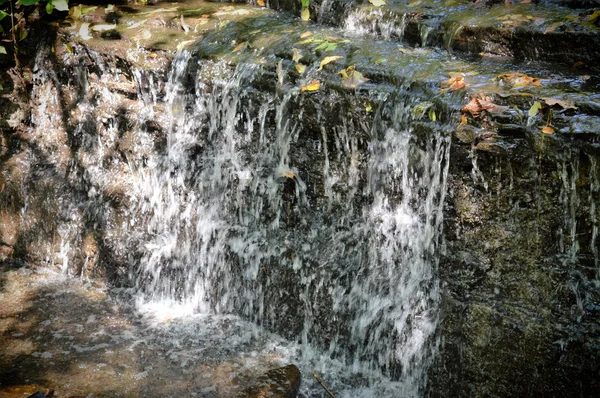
(281, 382)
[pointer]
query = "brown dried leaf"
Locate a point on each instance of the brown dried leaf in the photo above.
(478, 105)
(548, 130)
(312, 86)
(453, 84)
(565, 104)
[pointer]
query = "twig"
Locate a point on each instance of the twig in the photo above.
(323, 385)
(14, 37)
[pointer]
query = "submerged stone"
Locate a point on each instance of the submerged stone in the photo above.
(281, 382)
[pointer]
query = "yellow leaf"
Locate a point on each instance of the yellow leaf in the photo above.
(240, 47)
(305, 35)
(463, 120)
(296, 55)
(260, 3)
(377, 3)
(548, 130)
(312, 86)
(300, 68)
(352, 78)
(368, 108)
(594, 17)
(432, 115)
(305, 14)
(453, 84)
(327, 60)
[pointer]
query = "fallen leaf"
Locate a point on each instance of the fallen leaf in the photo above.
(288, 174)
(414, 3)
(109, 8)
(548, 130)
(312, 86)
(463, 120)
(368, 108)
(304, 35)
(432, 115)
(377, 3)
(535, 109)
(565, 104)
(453, 84)
(84, 31)
(240, 47)
(260, 3)
(328, 60)
(184, 44)
(418, 111)
(553, 27)
(352, 78)
(518, 79)
(296, 55)
(594, 17)
(300, 68)
(478, 105)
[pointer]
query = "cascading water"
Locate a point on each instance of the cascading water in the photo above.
(329, 236)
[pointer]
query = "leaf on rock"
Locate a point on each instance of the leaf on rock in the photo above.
(548, 130)
(351, 78)
(84, 31)
(419, 110)
(535, 109)
(328, 60)
(483, 103)
(240, 47)
(300, 68)
(463, 120)
(377, 3)
(312, 86)
(453, 84)
(565, 104)
(296, 55)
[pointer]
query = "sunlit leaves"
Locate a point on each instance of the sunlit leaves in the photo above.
(328, 60)
(312, 86)
(351, 78)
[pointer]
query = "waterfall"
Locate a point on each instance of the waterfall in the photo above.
(314, 225)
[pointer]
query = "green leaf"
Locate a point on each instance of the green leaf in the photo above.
(331, 47)
(2, 15)
(432, 115)
(305, 14)
(60, 5)
(88, 9)
(305, 3)
(49, 7)
(22, 34)
(419, 110)
(2, 50)
(27, 2)
(322, 46)
(535, 108)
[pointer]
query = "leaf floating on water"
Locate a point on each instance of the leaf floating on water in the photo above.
(312, 86)
(304, 35)
(352, 78)
(565, 104)
(84, 31)
(548, 130)
(377, 3)
(240, 47)
(300, 68)
(296, 55)
(453, 84)
(328, 60)
(280, 72)
(305, 14)
(535, 109)
(518, 79)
